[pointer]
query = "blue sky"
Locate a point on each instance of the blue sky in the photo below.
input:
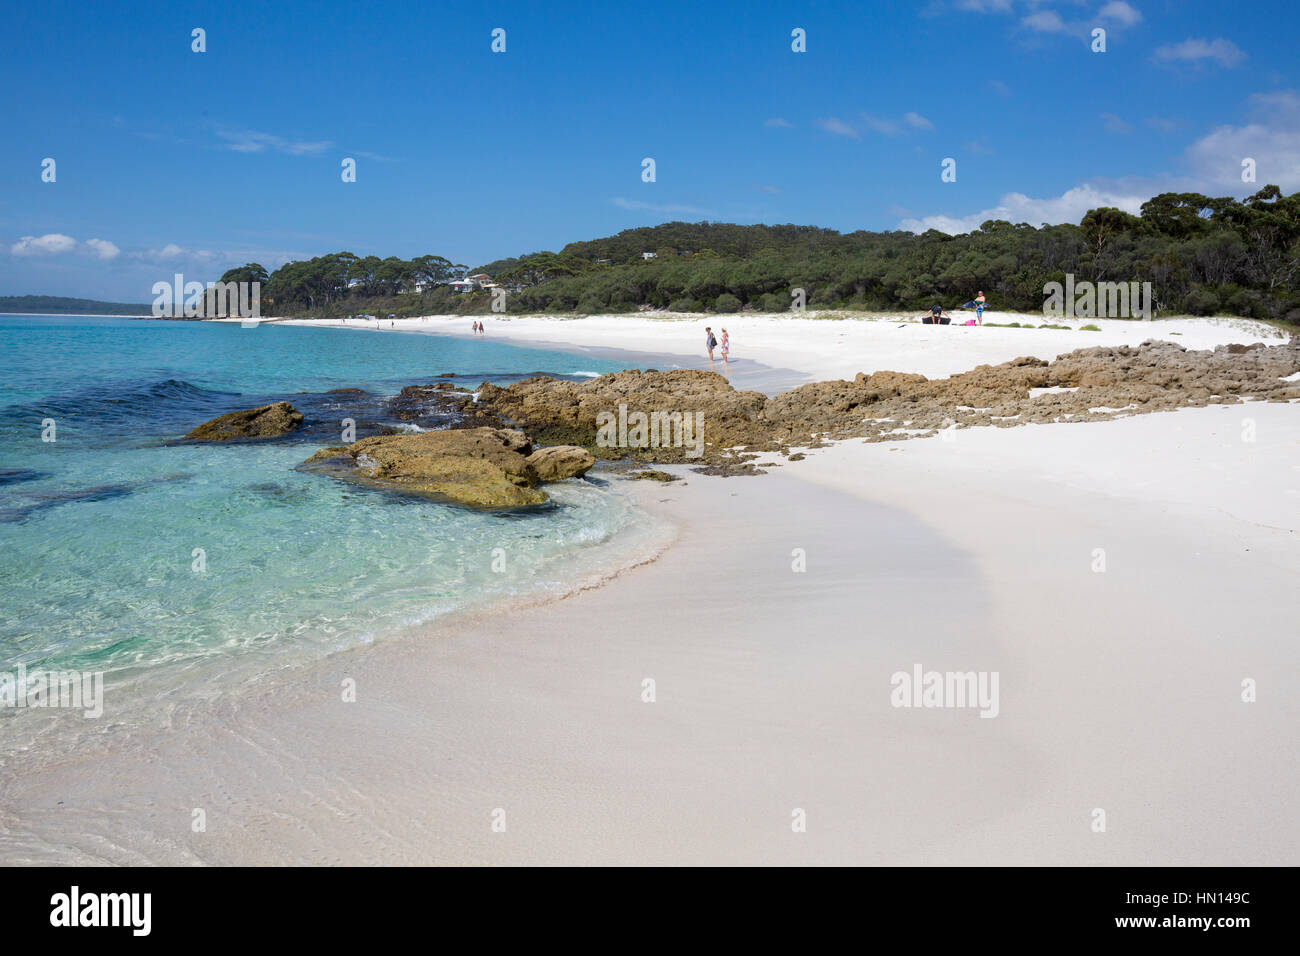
(174, 161)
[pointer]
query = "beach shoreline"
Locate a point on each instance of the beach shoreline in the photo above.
(770, 629)
(772, 353)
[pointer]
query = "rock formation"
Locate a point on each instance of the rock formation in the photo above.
(480, 467)
(1085, 385)
(269, 421)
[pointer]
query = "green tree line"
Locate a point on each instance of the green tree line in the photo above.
(1202, 255)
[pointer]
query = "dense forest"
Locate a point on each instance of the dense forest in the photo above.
(1202, 255)
(56, 304)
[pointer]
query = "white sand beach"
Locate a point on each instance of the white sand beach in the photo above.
(771, 353)
(1121, 578)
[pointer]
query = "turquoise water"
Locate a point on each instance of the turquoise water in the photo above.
(119, 550)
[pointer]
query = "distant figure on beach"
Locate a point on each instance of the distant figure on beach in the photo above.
(936, 316)
(726, 346)
(977, 304)
(710, 342)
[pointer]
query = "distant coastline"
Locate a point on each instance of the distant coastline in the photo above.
(65, 305)
(84, 315)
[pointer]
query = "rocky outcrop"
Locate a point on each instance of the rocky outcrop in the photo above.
(563, 412)
(1084, 385)
(561, 461)
(269, 421)
(651, 474)
(480, 467)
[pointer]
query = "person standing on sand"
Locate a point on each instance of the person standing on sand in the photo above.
(726, 346)
(979, 308)
(710, 342)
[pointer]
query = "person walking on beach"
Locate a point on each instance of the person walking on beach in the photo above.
(710, 342)
(726, 346)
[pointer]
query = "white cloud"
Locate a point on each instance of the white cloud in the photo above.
(50, 244)
(103, 248)
(917, 121)
(251, 141)
(1000, 88)
(1272, 140)
(776, 121)
(1045, 21)
(985, 6)
(55, 244)
(1114, 124)
(1221, 51)
(886, 126)
(1162, 124)
(838, 127)
(1121, 12)
(1017, 207)
(172, 253)
(669, 209)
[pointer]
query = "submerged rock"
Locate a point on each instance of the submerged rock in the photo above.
(269, 421)
(480, 467)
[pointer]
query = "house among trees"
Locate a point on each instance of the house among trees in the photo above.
(480, 280)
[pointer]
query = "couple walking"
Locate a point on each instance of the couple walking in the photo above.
(711, 343)
(478, 328)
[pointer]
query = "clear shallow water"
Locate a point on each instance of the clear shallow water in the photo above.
(99, 529)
